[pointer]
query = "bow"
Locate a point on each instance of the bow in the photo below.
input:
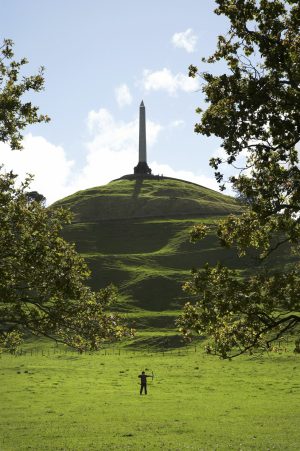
(152, 374)
(152, 377)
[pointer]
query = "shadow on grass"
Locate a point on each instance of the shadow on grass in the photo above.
(163, 343)
(137, 188)
(153, 322)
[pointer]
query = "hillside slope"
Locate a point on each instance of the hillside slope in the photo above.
(135, 233)
(144, 198)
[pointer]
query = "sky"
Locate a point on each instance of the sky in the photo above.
(101, 59)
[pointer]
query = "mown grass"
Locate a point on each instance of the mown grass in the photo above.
(123, 199)
(135, 234)
(195, 402)
(150, 260)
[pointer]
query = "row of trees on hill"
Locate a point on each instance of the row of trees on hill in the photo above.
(43, 287)
(254, 107)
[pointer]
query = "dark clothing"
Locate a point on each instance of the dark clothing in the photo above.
(143, 378)
(143, 387)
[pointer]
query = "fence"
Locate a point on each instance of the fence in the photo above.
(102, 352)
(280, 345)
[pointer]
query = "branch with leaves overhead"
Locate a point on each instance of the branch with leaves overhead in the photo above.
(43, 280)
(254, 107)
(15, 113)
(240, 314)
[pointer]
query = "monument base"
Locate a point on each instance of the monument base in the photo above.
(142, 168)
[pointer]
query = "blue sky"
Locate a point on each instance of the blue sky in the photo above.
(102, 57)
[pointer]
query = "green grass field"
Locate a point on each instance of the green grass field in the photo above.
(136, 235)
(195, 402)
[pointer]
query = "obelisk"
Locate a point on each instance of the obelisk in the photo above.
(142, 135)
(142, 166)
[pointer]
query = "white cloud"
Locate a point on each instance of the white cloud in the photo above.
(113, 148)
(164, 80)
(106, 129)
(47, 162)
(123, 95)
(177, 123)
(111, 152)
(186, 40)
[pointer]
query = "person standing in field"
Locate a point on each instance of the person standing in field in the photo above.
(143, 378)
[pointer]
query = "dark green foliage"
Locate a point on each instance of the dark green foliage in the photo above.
(254, 109)
(34, 196)
(240, 314)
(15, 112)
(42, 278)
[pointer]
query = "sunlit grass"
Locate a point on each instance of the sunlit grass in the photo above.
(92, 402)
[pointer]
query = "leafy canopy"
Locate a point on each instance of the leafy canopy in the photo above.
(15, 113)
(43, 287)
(43, 279)
(254, 108)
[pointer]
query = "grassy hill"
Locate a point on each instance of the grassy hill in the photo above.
(147, 198)
(135, 233)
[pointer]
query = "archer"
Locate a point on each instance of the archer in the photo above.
(143, 378)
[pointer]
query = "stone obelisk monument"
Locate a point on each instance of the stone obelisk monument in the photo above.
(142, 166)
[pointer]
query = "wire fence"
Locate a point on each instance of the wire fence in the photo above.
(281, 345)
(59, 351)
